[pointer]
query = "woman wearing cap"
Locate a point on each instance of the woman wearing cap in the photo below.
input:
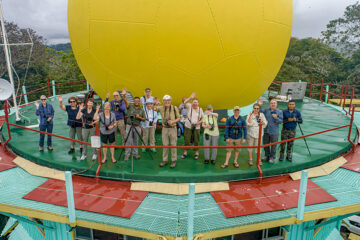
(149, 125)
(107, 130)
(169, 117)
(211, 134)
(253, 121)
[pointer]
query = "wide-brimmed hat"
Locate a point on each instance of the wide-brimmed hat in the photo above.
(236, 108)
(167, 97)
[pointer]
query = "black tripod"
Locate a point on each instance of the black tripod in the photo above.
(131, 131)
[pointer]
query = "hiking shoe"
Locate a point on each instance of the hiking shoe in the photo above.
(206, 161)
(213, 162)
(83, 157)
(126, 158)
(173, 164)
(72, 150)
(281, 158)
(271, 160)
(163, 164)
(81, 150)
(265, 158)
(94, 157)
(289, 158)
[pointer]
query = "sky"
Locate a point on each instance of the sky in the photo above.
(49, 17)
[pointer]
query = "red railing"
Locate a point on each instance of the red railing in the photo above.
(258, 147)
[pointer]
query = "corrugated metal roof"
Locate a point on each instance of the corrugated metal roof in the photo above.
(167, 214)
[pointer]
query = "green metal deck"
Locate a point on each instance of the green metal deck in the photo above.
(317, 117)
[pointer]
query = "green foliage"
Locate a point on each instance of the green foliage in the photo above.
(65, 47)
(344, 33)
(32, 70)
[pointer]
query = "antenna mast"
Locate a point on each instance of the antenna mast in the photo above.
(6, 50)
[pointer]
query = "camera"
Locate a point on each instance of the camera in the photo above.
(166, 122)
(193, 126)
(258, 119)
(151, 123)
(117, 106)
(132, 117)
(236, 132)
(212, 127)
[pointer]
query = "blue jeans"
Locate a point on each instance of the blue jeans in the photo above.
(45, 128)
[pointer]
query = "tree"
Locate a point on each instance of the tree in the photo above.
(62, 67)
(29, 69)
(311, 58)
(344, 33)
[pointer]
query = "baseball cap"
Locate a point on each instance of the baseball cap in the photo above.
(149, 101)
(167, 97)
(209, 106)
(236, 108)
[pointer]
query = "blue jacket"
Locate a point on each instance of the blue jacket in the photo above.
(273, 124)
(45, 113)
(291, 125)
(239, 126)
(120, 114)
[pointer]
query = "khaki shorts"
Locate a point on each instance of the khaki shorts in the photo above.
(234, 143)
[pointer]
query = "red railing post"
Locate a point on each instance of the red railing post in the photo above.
(7, 111)
(350, 128)
(48, 85)
(311, 84)
(259, 153)
(321, 89)
(352, 97)
(99, 153)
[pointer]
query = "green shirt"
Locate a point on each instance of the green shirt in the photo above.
(211, 120)
(132, 111)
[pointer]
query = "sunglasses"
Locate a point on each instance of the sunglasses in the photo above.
(116, 96)
(43, 99)
(72, 101)
(256, 108)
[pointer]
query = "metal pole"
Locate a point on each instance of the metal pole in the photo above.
(311, 83)
(8, 64)
(302, 195)
(99, 152)
(191, 207)
(70, 196)
(54, 88)
(25, 96)
(321, 89)
(87, 86)
(327, 94)
(329, 91)
(350, 128)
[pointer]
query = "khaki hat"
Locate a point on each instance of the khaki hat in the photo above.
(236, 108)
(209, 106)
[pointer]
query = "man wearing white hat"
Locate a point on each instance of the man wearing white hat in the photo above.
(170, 116)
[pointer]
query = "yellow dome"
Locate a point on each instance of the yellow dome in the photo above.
(227, 51)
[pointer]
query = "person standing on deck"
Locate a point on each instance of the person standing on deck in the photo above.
(211, 134)
(253, 121)
(169, 117)
(46, 112)
(149, 126)
(235, 136)
(274, 117)
(291, 118)
(136, 115)
(118, 108)
(75, 126)
(192, 124)
(89, 117)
